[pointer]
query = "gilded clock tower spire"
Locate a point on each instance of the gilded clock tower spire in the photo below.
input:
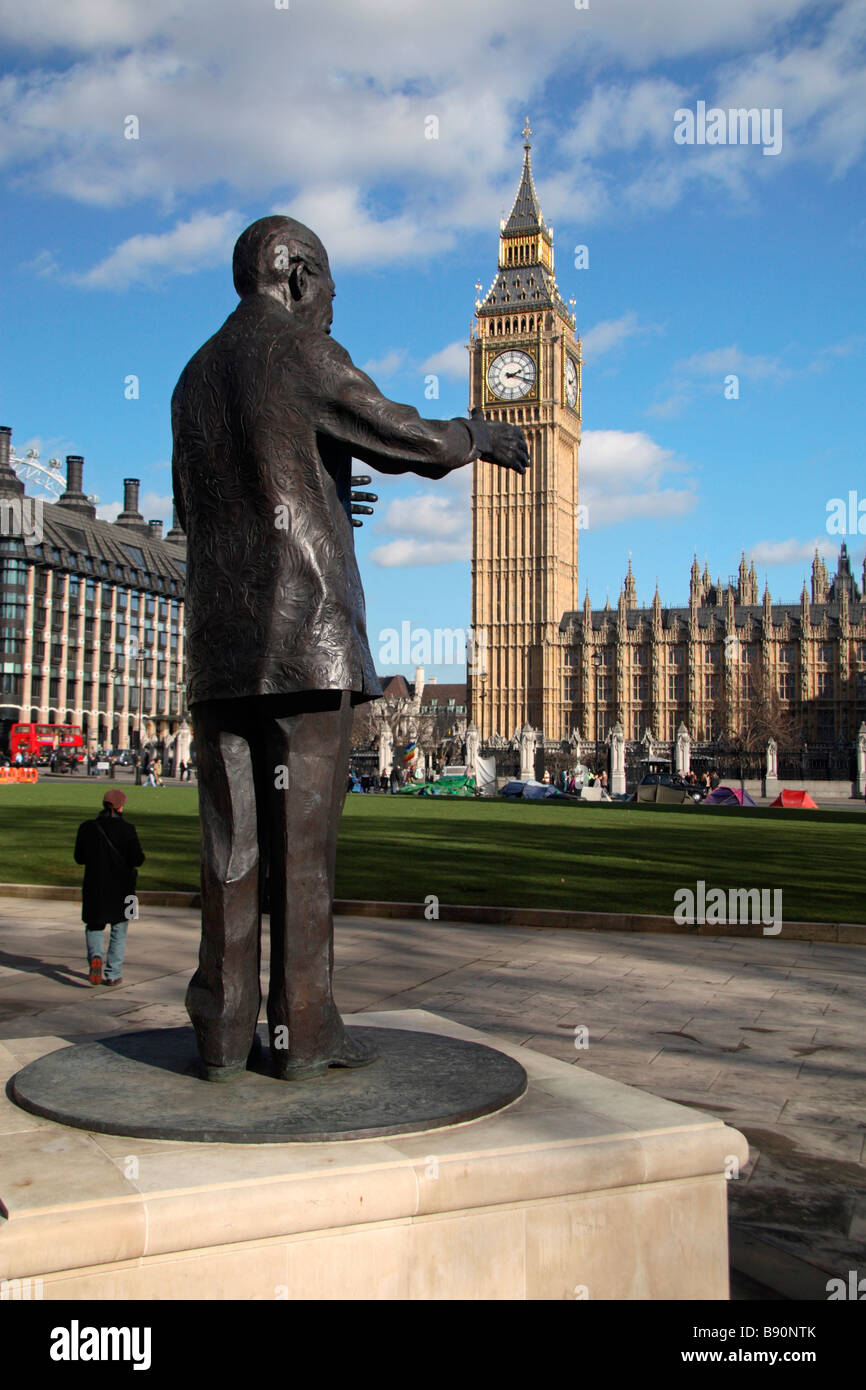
(526, 369)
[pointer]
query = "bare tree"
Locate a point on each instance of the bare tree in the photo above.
(745, 723)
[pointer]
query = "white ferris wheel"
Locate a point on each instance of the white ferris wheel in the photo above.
(44, 480)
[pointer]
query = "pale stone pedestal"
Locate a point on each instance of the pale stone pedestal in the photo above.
(584, 1188)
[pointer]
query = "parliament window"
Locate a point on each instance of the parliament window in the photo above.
(787, 688)
(825, 685)
(676, 687)
(640, 688)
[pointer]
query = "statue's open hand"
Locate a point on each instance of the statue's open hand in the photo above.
(360, 481)
(500, 443)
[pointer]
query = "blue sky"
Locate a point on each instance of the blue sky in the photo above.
(704, 260)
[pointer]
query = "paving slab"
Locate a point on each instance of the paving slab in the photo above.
(776, 1046)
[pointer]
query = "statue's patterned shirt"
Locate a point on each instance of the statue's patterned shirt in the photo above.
(266, 419)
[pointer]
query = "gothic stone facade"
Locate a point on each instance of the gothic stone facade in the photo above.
(655, 668)
(537, 656)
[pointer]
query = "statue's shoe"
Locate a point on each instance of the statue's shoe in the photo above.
(352, 1052)
(232, 1073)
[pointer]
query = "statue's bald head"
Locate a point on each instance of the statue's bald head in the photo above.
(269, 250)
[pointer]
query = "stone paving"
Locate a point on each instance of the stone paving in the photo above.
(766, 1034)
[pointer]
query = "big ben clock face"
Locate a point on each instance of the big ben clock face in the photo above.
(570, 382)
(511, 375)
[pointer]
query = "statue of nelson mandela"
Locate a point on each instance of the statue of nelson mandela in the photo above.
(266, 419)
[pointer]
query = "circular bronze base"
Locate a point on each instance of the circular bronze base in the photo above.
(147, 1085)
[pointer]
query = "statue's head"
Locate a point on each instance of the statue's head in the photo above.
(282, 258)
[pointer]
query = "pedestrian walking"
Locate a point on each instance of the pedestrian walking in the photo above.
(109, 849)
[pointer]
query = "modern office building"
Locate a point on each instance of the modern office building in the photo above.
(92, 614)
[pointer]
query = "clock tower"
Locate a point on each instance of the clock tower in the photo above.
(525, 368)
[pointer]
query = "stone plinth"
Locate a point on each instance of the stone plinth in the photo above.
(583, 1188)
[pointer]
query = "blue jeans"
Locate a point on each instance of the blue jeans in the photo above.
(113, 962)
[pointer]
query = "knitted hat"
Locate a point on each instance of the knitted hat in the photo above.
(114, 798)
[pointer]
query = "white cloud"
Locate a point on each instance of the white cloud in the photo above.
(432, 528)
(819, 84)
(327, 105)
(430, 514)
(450, 361)
(720, 361)
(203, 240)
(627, 475)
(152, 505)
(717, 363)
(608, 334)
(414, 552)
(672, 405)
(385, 366)
(790, 552)
(354, 236)
(43, 264)
(155, 504)
(622, 477)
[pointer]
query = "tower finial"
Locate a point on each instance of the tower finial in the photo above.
(527, 131)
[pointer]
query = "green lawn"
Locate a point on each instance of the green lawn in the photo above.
(398, 849)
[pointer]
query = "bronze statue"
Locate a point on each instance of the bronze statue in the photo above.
(267, 418)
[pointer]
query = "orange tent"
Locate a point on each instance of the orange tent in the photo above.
(795, 801)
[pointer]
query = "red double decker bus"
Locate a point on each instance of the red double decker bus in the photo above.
(39, 741)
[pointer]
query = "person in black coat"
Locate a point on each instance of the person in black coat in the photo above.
(109, 849)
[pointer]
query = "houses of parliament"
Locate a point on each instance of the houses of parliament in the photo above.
(541, 656)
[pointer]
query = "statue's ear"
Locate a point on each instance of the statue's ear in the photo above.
(298, 280)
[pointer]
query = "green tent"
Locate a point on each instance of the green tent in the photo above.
(446, 786)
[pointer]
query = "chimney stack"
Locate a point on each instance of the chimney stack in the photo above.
(10, 484)
(74, 497)
(74, 472)
(175, 535)
(155, 530)
(131, 517)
